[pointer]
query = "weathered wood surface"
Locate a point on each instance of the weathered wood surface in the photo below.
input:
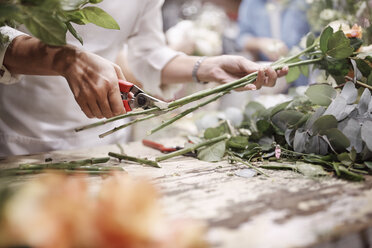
(285, 210)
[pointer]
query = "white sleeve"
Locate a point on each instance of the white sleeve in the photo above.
(5, 76)
(148, 52)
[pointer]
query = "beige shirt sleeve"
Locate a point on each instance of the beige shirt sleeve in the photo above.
(148, 52)
(5, 76)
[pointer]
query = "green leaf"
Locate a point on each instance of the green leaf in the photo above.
(324, 37)
(95, 1)
(279, 108)
(45, 27)
(367, 134)
(337, 139)
(355, 43)
(364, 101)
(310, 39)
(345, 159)
(369, 79)
(368, 164)
(76, 17)
(310, 170)
(321, 94)
(253, 109)
(69, 5)
(324, 123)
(238, 142)
(214, 132)
(339, 46)
(74, 33)
(213, 153)
(99, 17)
(352, 131)
(339, 108)
(286, 118)
(293, 74)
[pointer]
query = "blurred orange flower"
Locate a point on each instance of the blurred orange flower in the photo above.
(62, 211)
(355, 32)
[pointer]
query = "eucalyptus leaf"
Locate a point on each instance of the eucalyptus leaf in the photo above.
(345, 159)
(321, 94)
(337, 139)
(299, 142)
(324, 123)
(293, 74)
(310, 122)
(289, 136)
(279, 108)
(213, 153)
(349, 93)
(316, 145)
(339, 108)
(366, 133)
(253, 108)
(285, 118)
(99, 17)
(352, 130)
(364, 101)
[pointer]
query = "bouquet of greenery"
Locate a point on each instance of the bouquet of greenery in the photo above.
(49, 20)
(327, 127)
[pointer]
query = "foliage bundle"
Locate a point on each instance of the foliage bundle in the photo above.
(325, 127)
(49, 20)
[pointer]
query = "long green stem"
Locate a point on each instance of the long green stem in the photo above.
(65, 165)
(247, 164)
(126, 125)
(295, 56)
(184, 113)
(119, 117)
(192, 148)
(134, 159)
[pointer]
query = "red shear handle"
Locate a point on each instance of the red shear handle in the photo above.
(125, 88)
(158, 146)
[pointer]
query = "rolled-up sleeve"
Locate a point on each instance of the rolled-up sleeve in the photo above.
(5, 76)
(148, 52)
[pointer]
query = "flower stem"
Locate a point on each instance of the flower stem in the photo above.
(192, 148)
(126, 125)
(119, 117)
(184, 113)
(134, 159)
(247, 164)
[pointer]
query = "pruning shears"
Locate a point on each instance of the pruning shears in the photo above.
(164, 149)
(133, 97)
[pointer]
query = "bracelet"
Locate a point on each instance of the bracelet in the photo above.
(195, 70)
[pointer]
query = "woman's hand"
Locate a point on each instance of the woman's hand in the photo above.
(94, 82)
(228, 68)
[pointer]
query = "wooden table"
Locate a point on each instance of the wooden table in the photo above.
(285, 210)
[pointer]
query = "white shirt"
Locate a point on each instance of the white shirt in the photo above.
(39, 113)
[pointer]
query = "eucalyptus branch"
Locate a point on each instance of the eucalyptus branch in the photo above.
(247, 164)
(193, 147)
(184, 113)
(134, 159)
(359, 83)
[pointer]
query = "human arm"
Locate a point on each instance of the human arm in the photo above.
(221, 69)
(92, 79)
